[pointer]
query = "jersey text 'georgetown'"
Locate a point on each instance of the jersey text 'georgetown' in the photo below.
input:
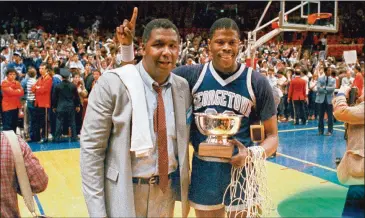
(233, 94)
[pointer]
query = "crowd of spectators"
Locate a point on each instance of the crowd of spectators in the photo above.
(87, 47)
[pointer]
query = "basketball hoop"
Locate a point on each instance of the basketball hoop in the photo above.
(312, 18)
(275, 25)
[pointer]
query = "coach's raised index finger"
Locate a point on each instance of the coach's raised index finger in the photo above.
(134, 17)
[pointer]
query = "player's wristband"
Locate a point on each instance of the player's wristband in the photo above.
(127, 53)
(340, 94)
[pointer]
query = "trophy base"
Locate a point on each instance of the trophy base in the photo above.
(215, 150)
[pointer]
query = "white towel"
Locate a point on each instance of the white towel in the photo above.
(141, 140)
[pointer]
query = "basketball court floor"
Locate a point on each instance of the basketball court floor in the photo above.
(302, 177)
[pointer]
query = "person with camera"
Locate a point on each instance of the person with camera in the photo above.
(10, 184)
(350, 171)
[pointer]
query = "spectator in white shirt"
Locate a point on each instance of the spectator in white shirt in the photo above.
(271, 77)
(347, 80)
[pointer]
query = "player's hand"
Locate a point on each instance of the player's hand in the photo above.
(125, 32)
(77, 109)
(239, 159)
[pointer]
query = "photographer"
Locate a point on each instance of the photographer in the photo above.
(351, 168)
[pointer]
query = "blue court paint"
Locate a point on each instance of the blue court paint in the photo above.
(307, 145)
(53, 146)
(40, 208)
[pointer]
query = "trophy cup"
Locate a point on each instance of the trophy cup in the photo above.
(218, 128)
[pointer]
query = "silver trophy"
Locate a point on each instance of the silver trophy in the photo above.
(218, 128)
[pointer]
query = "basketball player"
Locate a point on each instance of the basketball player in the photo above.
(224, 85)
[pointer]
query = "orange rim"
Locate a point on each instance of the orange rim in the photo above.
(312, 18)
(275, 25)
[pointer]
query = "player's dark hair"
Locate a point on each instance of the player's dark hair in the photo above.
(156, 24)
(223, 23)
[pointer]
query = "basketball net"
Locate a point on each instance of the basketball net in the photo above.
(252, 196)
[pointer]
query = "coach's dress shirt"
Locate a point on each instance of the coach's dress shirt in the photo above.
(146, 167)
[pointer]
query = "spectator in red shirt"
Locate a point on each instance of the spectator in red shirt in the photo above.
(359, 80)
(42, 90)
(297, 93)
(38, 178)
(11, 91)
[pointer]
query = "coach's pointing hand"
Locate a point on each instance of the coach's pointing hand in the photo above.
(125, 32)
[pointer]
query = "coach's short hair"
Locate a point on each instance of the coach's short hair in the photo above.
(156, 24)
(223, 23)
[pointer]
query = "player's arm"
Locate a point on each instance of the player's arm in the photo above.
(267, 112)
(271, 142)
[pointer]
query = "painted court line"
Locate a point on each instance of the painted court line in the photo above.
(307, 162)
(311, 128)
(293, 130)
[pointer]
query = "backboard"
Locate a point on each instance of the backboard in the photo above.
(295, 16)
(305, 15)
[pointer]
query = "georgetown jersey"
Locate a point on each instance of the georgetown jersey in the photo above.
(233, 94)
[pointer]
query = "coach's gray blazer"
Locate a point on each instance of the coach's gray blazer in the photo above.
(323, 90)
(105, 158)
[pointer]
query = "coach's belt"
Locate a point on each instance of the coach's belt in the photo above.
(152, 180)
